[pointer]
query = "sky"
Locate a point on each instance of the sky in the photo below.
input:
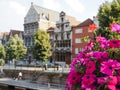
(12, 12)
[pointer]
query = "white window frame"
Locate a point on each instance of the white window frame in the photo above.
(89, 30)
(76, 50)
(78, 40)
(79, 30)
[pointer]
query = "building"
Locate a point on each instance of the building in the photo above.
(61, 40)
(1, 36)
(39, 18)
(7, 35)
(78, 32)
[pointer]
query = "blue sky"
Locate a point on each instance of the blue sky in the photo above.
(13, 11)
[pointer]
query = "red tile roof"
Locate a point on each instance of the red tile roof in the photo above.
(87, 22)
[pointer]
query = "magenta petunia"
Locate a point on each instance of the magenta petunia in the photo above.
(97, 55)
(88, 82)
(74, 78)
(115, 27)
(111, 84)
(90, 67)
(104, 54)
(114, 43)
(101, 80)
(108, 67)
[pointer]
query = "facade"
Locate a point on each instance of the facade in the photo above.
(39, 18)
(62, 39)
(50, 31)
(8, 35)
(80, 31)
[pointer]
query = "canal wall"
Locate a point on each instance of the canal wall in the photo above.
(38, 76)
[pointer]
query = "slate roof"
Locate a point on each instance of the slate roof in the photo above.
(54, 15)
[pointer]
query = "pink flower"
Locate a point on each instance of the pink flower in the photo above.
(108, 67)
(90, 67)
(97, 55)
(101, 80)
(88, 81)
(81, 55)
(118, 78)
(114, 43)
(115, 27)
(112, 83)
(89, 47)
(74, 78)
(104, 54)
(103, 42)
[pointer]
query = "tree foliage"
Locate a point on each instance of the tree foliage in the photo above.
(41, 49)
(2, 62)
(109, 12)
(15, 48)
(2, 52)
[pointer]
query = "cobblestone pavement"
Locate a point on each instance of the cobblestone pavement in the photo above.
(28, 84)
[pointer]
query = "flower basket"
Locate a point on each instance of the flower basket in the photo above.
(97, 67)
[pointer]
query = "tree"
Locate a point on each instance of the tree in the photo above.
(41, 49)
(15, 48)
(109, 12)
(2, 52)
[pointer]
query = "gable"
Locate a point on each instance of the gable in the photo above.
(32, 16)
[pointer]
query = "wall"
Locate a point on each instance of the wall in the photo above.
(39, 76)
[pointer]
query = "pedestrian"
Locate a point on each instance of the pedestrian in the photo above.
(20, 76)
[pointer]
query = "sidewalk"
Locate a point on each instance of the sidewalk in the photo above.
(28, 84)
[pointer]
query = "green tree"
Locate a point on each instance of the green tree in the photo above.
(2, 52)
(109, 12)
(41, 49)
(15, 48)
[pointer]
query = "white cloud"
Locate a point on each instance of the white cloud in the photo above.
(76, 5)
(19, 9)
(52, 4)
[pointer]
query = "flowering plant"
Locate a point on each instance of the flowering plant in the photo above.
(97, 67)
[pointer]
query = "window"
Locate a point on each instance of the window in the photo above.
(78, 30)
(56, 36)
(76, 50)
(57, 25)
(89, 30)
(78, 40)
(68, 35)
(62, 36)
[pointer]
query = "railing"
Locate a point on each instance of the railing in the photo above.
(32, 68)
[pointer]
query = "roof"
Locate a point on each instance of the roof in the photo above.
(15, 32)
(72, 20)
(87, 22)
(51, 14)
(51, 29)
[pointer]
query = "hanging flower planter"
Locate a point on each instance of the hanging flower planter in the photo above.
(97, 67)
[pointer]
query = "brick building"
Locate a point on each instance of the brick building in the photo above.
(78, 32)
